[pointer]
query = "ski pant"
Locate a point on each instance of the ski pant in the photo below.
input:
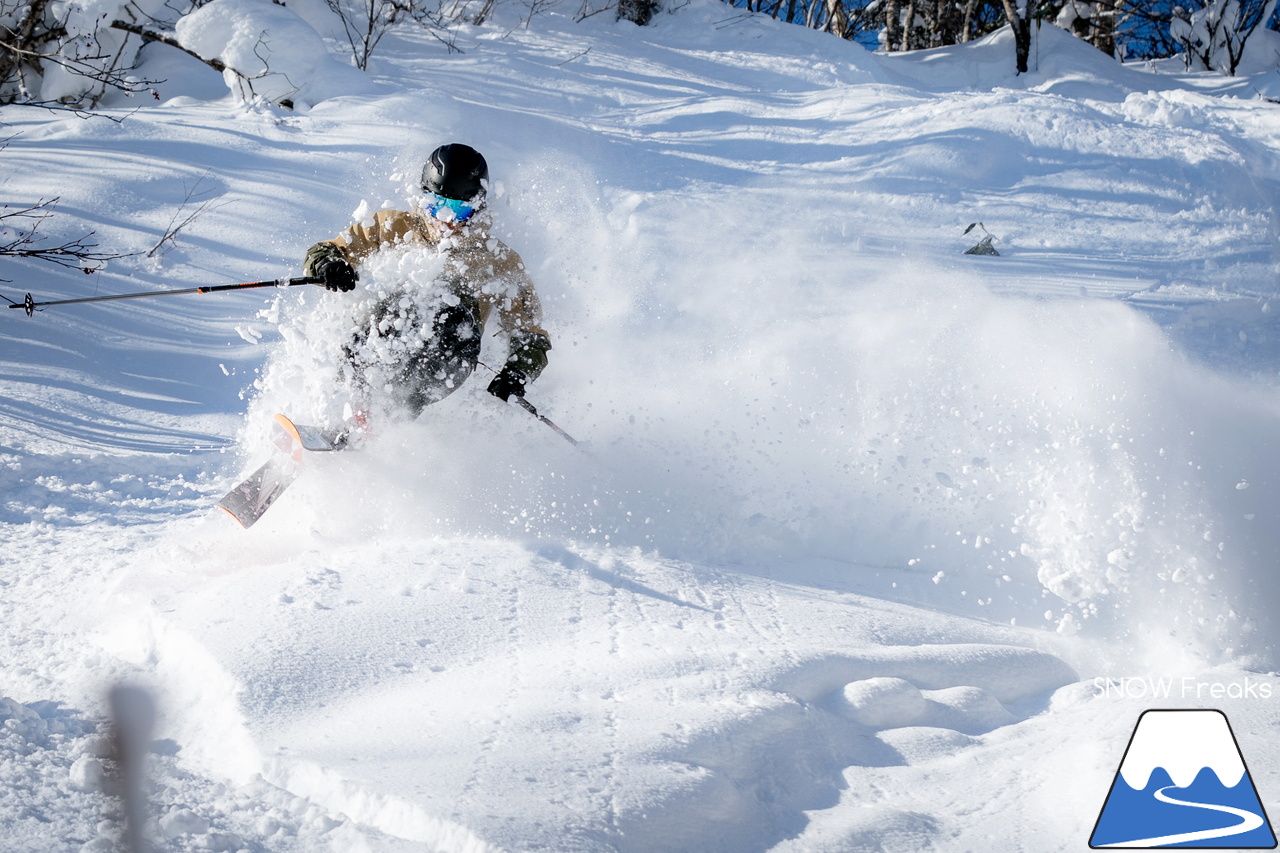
(432, 358)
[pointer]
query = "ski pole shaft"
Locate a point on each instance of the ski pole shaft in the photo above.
(528, 407)
(30, 305)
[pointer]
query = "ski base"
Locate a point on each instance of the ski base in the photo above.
(250, 500)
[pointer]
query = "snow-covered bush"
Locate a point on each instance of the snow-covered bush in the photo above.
(1214, 37)
(268, 52)
(75, 52)
(59, 51)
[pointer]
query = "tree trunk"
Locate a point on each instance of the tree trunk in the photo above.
(837, 21)
(966, 33)
(1104, 31)
(1021, 34)
(909, 27)
(1022, 43)
(20, 40)
(890, 25)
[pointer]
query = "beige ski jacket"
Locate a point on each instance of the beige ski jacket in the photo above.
(477, 265)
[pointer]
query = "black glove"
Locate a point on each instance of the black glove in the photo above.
(509, 381)
(337, 274)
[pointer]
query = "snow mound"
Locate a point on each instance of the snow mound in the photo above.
(884, 702)
(1008, 673)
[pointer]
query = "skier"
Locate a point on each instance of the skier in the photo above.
(436, 345)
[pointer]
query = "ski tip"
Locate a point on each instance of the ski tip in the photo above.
(288, 438)
(244, 523)
(295, 438)
(289, 427)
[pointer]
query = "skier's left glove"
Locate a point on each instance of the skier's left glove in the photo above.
(510, 381)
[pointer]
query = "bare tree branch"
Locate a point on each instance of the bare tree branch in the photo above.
(366, 22)
(20, 238)
(179, 221)
(152, 35)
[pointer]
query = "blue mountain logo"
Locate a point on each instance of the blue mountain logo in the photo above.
(1183, 783)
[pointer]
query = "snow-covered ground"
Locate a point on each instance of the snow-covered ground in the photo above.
(874, 545)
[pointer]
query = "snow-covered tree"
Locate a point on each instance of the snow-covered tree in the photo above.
(889, 25)
(920, 24)
(1214, 37)
(1093, 22)
(637, 11)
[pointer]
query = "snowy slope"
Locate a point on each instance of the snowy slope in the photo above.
(860, 521)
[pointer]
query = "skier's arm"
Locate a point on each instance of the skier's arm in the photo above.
(361, 240)
(520, 315)
(527, 358)
(528, 352)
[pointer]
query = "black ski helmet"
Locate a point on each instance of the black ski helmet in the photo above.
(455, 171)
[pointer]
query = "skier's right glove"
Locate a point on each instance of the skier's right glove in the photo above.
(338, 275)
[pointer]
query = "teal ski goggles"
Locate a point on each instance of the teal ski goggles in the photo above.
(449, 209)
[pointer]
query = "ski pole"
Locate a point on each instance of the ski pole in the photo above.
(134, 714)
(528, 407)
(30, 305)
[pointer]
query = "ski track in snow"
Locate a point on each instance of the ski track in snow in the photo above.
(832, 459)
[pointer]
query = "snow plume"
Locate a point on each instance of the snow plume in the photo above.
(1050, 462)
(1034, 448)
(309, 375)
(1045, 461)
